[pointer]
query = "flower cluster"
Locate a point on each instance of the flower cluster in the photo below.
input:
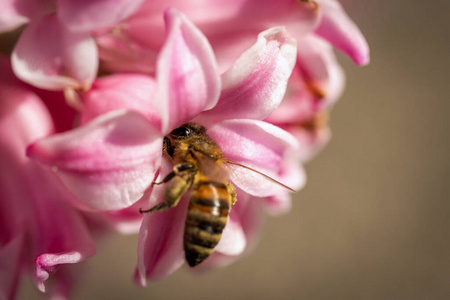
(91, 89)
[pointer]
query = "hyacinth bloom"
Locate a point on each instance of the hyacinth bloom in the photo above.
(317, 26)
(109, 162)
(56, 50)
(41, 233)
(314, 87)
(230, 28)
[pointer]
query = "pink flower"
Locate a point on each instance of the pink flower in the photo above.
(338, 29)
(314, 87)
(56, 50)
(230, 27)
(318, 79)
(40, 231)
(110, 162)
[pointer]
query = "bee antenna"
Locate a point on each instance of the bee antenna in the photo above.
(260, 173)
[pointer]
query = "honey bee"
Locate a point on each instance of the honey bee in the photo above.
(201, 167)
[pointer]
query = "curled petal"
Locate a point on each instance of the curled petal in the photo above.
(89, 15)
(342, 32)
(107, 164)
(116, 92)
(188, 80)
(255, 84)
(255, 144)
(46, 264)
(160, 246)
(50, 56)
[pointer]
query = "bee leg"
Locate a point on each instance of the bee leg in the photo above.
(176, 171)
(181, 179)
(232, 192)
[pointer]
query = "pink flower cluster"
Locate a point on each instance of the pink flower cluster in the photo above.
(79, 150)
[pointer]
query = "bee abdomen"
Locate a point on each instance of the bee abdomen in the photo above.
(205, 221)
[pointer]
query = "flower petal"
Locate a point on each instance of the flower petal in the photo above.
(119, 53)
(233, 240)
(50, 56)
(255, 84)
(160, 246)
(33, 200)
(121, 91)
(124, 221)
(342, 32)
(89, 15)
(311, 141)
(187, 76)
(10, 255)
(315, 85)
(278, 204)
(15, 13)
(255, 144)
(107, 164)
(320, 70)
(246, 214)
(58, 229)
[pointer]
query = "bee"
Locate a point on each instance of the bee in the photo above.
(201, 167)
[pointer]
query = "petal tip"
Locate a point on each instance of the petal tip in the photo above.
(139, 279)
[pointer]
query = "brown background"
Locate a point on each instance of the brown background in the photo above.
(373, 221)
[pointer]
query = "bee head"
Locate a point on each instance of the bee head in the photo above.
(187, 130)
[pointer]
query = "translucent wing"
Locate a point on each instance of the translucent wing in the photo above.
(257, 175)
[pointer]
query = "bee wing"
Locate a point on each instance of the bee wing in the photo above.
(213, 168)
(243, 175)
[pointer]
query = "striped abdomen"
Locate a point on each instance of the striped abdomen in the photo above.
(206, 218)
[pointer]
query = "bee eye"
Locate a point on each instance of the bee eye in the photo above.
(180, 132)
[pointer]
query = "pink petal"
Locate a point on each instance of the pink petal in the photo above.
(255, 84)
(247, 214)
(230, 26)
(187, 75)
(60, 239)
(121, 91)
(50, 56)
(107, 164)
(320, 70)
(298, 106)
(315, 85)
(311, 141)
(279, 204)
(120, 54)
(89, 15)
(160, 246)
(255, 144)
(10, 265)
(14, 13)
(64, 117)
(33, 200)
(233, 240)
(124, 221)
(10, 19)
(341, 31)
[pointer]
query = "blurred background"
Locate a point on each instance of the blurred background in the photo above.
(373, 221)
